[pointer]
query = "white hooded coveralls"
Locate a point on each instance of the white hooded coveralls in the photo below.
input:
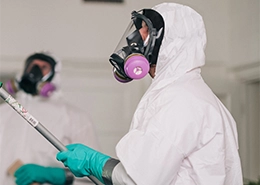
(181, 134)
(19, 140)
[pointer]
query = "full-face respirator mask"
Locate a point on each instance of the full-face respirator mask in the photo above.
(139, 46)
(32, 80)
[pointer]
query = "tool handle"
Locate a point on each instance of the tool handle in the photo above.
(36, 124)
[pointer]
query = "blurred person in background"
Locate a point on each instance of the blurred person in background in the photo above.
(38, 90)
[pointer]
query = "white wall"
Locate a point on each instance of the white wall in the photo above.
(73, 29)
(244, 32)
(85, 34)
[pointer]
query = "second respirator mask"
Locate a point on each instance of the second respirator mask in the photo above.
(33, 81)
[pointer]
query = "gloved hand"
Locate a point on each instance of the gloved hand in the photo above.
(30, 173)
(83, 161)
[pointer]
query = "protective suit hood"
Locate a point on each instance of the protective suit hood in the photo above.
(183, 45)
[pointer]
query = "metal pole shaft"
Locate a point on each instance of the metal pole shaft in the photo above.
(36, 124)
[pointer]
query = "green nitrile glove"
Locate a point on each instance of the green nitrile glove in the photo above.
(30, 173)
(83, 161)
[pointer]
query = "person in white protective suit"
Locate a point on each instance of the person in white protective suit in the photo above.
(26, 156)
(181, 134)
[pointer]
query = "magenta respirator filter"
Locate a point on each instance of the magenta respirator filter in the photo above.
(136, 66)
(46, 89)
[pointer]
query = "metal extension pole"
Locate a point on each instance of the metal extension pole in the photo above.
(37, 125)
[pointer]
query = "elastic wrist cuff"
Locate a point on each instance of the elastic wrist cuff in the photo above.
(108, 169)
(69, 177)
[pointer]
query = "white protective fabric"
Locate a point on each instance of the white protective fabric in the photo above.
(181, 134)
(120, 177)
(19, 140)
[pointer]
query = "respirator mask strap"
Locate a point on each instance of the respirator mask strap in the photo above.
(47, 76)
(149, 42)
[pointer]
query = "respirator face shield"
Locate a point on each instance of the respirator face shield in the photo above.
(36, 78)
(130, 59)
(33, 78)
(30, 80)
